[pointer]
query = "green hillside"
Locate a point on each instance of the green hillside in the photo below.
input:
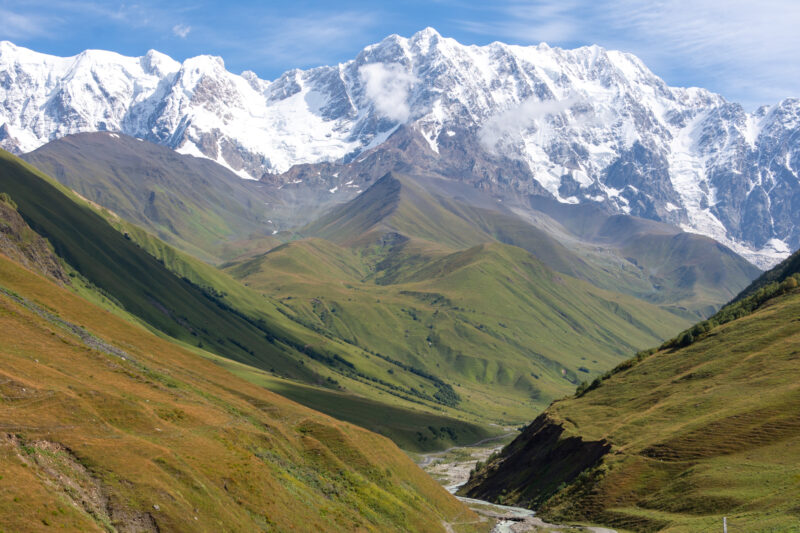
(108, 427)
(409, 303)
(689, 275)
(140, 283)
(189, 202)
(674, 440)
(199, 306)
(395, 204)
(506, 332)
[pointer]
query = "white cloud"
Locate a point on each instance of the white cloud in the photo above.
(529, 22)
(508, 125)
(317, 38)
(181, 30)
(387, 86)
(17, 25)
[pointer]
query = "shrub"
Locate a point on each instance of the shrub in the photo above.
(6, 199)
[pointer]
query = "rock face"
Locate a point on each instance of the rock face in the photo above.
(536, 465)
(583, 125)
(22, 244)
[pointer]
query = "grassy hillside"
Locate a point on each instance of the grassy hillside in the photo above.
(395, 204)
(107, 427)
(189, 202)
(139, 282)
(690, 274)
(674, 440)
(196, 304)
(23, 245)
(504, 331)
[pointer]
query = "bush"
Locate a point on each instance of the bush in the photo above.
(6, 199)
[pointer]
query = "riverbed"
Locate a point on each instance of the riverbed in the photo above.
(451, 468)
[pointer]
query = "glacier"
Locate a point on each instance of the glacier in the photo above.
(584, 125)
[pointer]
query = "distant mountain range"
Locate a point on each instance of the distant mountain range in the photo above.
(580, 126)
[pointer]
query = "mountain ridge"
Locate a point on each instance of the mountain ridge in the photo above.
(710, 166)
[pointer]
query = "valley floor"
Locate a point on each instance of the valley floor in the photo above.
(452, 467)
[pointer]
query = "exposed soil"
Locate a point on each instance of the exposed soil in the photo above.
(62, 470)
(19, 242)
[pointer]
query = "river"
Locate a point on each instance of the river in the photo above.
(451, 468)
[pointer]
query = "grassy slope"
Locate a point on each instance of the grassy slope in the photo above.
(690, 274)
(694, 272)
(394, 203)
(506, 359)
(140, 283)
(93, 441)
(708, 430)
(199, 301)
(190, 202)
(378, 408)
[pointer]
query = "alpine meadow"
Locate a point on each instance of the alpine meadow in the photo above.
(473, 283)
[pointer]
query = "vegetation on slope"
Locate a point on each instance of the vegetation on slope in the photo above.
(408, 245)
(107, 427)
(690, 274)
(19, 242)
(189, 202)
(783, 279)
(504, 331)
(139, 282)
(198, 305)
(681, 437)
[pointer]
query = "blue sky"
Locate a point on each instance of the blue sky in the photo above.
(746, 50)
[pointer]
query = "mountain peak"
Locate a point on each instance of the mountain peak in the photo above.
(578, 125)
(428, 35)
(154, 62)
(204, 62)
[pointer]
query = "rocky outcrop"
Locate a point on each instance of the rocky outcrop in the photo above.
(536, 465)
(20, 243)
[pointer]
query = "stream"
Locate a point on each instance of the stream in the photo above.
(451, 468)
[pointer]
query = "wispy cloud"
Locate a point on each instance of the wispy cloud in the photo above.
(507, 125)
(315, 38)
(746, 50)
(527, 22)
(55, 18)
(387, 86)
(181, 30)
(16, 25)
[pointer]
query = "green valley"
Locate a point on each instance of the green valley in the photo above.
(108, 427)
(206, 310)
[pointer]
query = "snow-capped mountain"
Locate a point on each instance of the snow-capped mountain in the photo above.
(583, 125)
